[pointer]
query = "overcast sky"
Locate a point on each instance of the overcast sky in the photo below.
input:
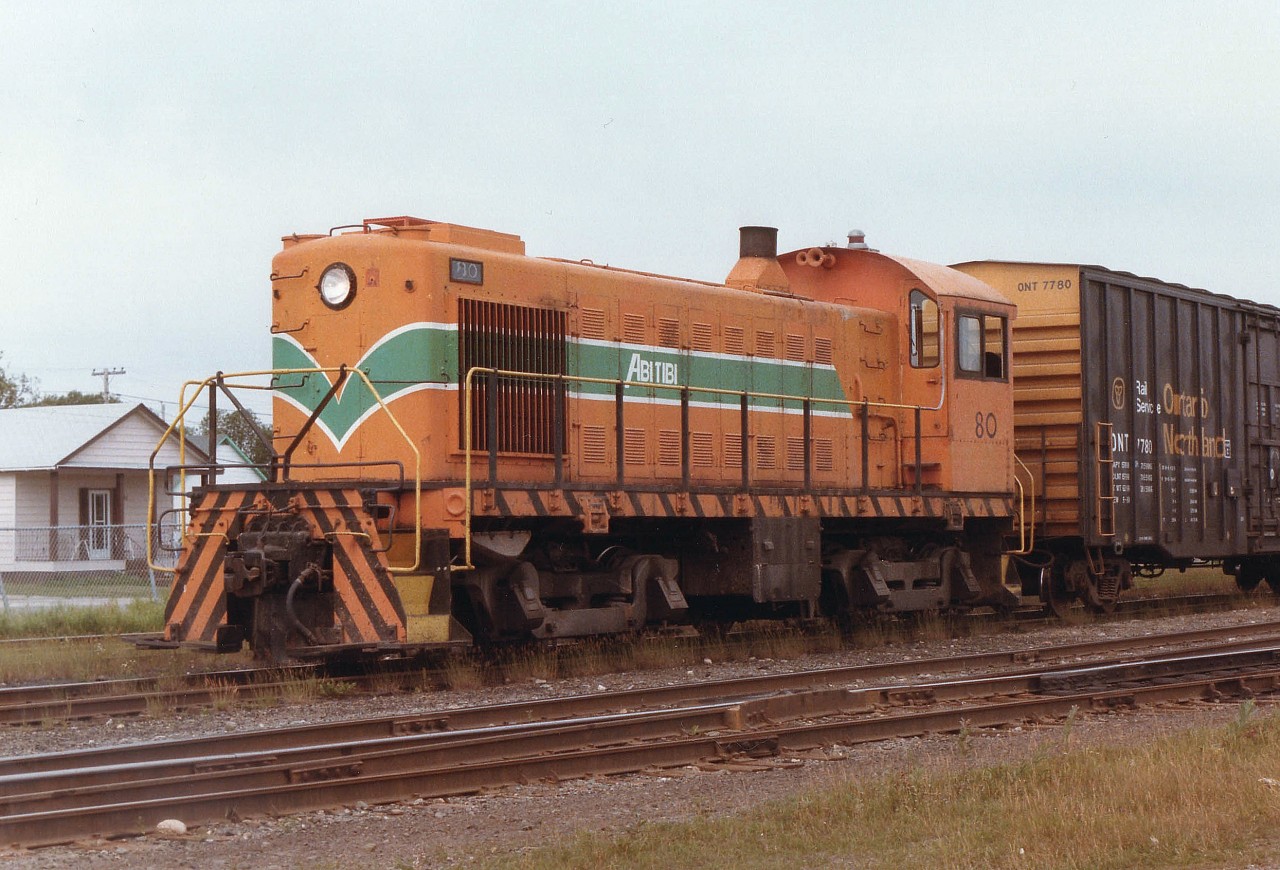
(152, 155)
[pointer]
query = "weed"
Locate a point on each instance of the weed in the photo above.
(1076, 809)
(327, 687)
(1068, 724)
(1242, 726)
(964, 739)
(223, 695)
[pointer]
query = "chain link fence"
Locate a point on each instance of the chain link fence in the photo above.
(84, 566)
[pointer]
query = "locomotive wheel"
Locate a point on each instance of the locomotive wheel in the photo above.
(1248, 576)
(1057, 598)
(1097, 603)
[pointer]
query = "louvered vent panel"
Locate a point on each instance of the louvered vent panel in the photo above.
(703, 337)
(592, 323)
(732, 450)
(633, 328)
(668, 447)
(795, 453)
(594, 444)
(668, 332)
(765, 345)
(702, 449)
(823, 454)
(766, 452)
(635, 445)
(493, 335)
(822, 351)
(795, 347)
(735, 340)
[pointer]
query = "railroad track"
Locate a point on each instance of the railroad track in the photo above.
(48, 799)
(39, 704)
(43, 704)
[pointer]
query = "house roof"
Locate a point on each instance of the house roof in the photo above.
(45, 437)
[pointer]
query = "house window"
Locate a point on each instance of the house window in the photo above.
(982, 347)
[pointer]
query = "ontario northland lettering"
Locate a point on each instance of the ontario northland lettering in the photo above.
(652, 371)
(1195, 443)
(1172, 407)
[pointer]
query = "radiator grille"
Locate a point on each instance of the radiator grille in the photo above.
(795, 347)
(633, 328)
(795, 453)
(668, 447)
(764, 344)
(702, 448)
(668, 332)
(636, 446)
(513, 338)
(766, 452)
(592, 323)
(735, 340)
(732, 450)
(594, 445)
(823, 454)
(822, 351)
(702, 337)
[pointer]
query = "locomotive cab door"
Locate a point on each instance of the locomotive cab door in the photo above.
(979, 397)
(923, 379)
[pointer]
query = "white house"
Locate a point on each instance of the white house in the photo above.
(74, 484)
(236, 467)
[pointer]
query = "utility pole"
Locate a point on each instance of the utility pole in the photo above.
(106, 374)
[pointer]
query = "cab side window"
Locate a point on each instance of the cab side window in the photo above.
(923, 328)
(982, 347)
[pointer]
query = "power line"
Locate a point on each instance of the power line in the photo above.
(106, 375)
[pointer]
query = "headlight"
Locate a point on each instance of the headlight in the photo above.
(337, 285)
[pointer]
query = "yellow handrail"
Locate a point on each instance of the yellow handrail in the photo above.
(1026, 539)
(221, 380)
(469, 379)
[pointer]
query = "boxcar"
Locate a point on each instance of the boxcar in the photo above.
(1148, 415)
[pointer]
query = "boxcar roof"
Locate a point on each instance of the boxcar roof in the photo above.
(1131, 276)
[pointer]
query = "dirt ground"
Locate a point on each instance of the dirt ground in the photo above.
(456, 832)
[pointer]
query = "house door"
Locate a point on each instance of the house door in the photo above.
(99, 539)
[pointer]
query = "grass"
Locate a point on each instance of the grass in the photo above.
(67, 621)
(47, 657)
(1202, 797)
(1191, 581)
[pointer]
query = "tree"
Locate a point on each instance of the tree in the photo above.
(73, 397)
(241, 431)
(15, 390)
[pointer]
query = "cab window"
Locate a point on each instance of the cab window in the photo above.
(923, 329)
(982, 347)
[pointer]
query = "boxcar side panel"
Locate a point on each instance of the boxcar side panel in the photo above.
(1260, 480)
(1163, 424)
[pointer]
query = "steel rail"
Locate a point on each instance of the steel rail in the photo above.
(559, 750)
(38, 705)
(1230, 637)
(71, 787)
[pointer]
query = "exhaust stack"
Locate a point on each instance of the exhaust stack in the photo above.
(757, 269)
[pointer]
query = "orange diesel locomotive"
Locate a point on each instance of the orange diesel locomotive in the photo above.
(473, 444)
